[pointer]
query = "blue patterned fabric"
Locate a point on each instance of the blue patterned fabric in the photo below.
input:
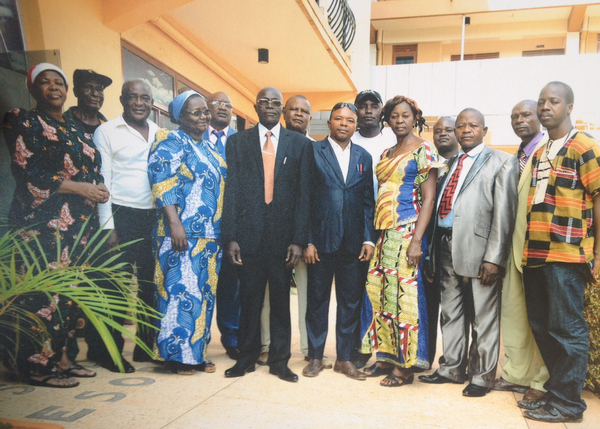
(190, 175)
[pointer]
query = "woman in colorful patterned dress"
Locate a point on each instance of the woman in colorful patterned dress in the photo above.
(187, 176)
(58, 183)
(397, 328)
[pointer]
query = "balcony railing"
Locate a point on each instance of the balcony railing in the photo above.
(341, 20)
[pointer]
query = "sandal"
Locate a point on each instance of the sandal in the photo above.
(183, 369)
(377, 370)
(71, 371)
(207, 367)
(397, 380)
(56, 375)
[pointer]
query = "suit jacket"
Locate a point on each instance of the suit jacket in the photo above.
(484, 212)
(518, 239)
(341, 212)
(244, 208)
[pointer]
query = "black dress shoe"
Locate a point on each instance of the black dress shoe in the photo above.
(284, 373)
(113, 367)
(239, 370)
(533, 404)
(475, 391)
(550, 414)
(437, 378)
(233, 353)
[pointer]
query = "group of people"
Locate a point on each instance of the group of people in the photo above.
(221, 219)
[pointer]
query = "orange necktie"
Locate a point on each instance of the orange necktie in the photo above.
(268, 155)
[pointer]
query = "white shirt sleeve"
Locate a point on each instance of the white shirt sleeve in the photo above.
(102, 142)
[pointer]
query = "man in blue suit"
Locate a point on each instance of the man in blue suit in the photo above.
(340, 240)
(228, 286)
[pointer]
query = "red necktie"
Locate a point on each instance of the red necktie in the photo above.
(268, 155)
(450, 189)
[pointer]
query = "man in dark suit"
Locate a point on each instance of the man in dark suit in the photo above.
(475, 217)
(341, 240)
(265, 227)
(228, 299)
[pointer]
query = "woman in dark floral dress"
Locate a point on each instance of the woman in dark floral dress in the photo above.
(58, 183)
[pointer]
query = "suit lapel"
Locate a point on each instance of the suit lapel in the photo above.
(330, 157)
(354, 161)
(256, 149)
(282, 148)
(479, 162)
(525, 179)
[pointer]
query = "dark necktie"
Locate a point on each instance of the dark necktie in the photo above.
(450, 189)
(219, 144)
(522, 161)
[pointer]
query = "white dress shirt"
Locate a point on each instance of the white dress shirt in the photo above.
(342, 155)
(262, 134)
(124, 166)
(213, 138)
(447, 222)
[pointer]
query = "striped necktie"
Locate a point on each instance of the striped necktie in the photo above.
(450, 189)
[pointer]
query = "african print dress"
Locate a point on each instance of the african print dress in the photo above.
(45, 152)
(394, 319)
(191, 175)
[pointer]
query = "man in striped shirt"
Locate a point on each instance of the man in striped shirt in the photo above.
(561, 253)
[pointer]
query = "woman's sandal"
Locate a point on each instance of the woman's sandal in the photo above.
(207, 367)
(183, 369)
(71, 371)
(56, 375)
(397, 380)
(377, 370)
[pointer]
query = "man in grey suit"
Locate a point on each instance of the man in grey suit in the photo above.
(473, 225)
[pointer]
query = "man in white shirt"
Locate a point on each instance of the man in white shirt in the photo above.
(129, 213)
(228, 286)
(370, 132)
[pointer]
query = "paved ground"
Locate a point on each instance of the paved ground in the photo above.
(152, 398)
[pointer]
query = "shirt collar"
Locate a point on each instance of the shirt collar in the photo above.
(336, 146)
(262, 130)
(211, 129)
(473, 152)
(529, 147)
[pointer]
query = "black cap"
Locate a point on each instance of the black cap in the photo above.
(368, 93)
(83, 76)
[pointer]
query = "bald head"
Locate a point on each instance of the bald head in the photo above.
(554, 108)
(470, 129)
(524, 120)
(564, 89)
(268, 107)
(221, 110)
(444, 138)
(297, 114)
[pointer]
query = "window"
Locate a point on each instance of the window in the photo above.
(542, 52)
(404, 54)
(487, 56)
(166, 84)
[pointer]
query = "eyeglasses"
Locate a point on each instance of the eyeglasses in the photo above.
(263, 102)
(342, 105)
(198, 113)
(222, 104)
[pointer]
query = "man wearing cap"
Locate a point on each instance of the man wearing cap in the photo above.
(228, 302)
(88, 87)
(370, 132)
(124, 144)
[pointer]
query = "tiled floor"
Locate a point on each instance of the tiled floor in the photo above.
(151, 398)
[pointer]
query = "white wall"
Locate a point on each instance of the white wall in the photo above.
(494, 87)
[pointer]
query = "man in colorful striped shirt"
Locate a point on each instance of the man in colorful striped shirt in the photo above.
(561, 253)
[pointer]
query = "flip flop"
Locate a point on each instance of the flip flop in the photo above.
(397, 380)
(69, 372)
(183, 369)
(54, 375)
(377, 371)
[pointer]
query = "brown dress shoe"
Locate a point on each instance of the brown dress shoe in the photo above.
(506, 386)
(349, 370)
(313, 368)
(532, 395)
(326, 362)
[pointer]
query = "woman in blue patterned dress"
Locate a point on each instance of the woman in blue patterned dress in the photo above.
(187, 176)
(58, 183)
